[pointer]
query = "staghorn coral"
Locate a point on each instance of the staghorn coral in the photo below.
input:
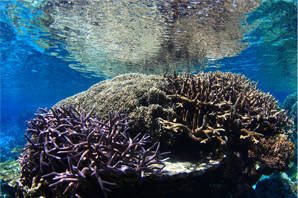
(223, 108)
(70, 150)
(214, 105)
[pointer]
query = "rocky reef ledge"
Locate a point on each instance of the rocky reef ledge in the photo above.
(204, 135)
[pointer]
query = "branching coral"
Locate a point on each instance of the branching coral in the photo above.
(69, 148)
(217, 104)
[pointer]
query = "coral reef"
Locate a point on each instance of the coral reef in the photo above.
(223, 134)
(70, 150)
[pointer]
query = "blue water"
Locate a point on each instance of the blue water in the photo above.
(31, 77)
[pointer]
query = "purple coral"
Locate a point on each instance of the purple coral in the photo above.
(69, 148)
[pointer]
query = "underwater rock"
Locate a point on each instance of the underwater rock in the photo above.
(219, 128)
(293, 112)
(290, 102)
(276, 186)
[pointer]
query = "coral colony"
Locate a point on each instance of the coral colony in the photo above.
(230, 132)
(216, 106)
(70, 149)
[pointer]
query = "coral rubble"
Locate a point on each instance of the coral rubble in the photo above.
(70, 150)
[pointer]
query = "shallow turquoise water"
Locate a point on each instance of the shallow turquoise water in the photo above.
(54, 49)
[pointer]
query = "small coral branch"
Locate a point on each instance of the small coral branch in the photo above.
(250, 134)
(196, 134)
